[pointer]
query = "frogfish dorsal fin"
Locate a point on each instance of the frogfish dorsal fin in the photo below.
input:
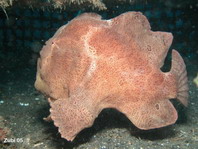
(135, 28)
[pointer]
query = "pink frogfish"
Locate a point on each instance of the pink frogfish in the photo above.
(91, 64)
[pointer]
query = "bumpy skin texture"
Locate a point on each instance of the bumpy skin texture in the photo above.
(91, 64)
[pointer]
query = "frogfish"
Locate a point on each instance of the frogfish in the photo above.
(91, 64)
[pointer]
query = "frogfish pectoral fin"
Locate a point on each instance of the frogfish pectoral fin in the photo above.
(70, 119)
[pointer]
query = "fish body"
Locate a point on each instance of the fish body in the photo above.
(91, 64)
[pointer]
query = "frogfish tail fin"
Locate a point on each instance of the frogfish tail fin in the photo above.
(178, 69)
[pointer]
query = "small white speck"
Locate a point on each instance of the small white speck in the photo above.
(192, 103)
(103, 147)
(38, 144)
(1, 101)
(23, 104)
(36, 98)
